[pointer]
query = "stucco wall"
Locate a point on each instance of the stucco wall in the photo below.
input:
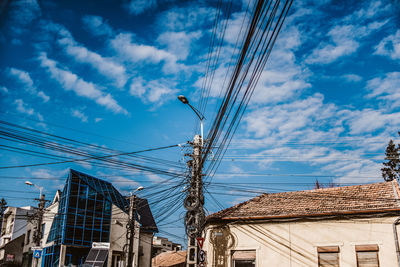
(146, 240)
(295, 243)
(119, 219)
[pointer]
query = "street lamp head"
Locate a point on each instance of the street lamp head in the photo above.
(140, 188)
(183, 99)
(28, 183)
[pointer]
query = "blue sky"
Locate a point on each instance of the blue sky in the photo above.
(108, 73)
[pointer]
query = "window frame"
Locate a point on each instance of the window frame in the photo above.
(328, 249)
(367, 248)
(232, 252)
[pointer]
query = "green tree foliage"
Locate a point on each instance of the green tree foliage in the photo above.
(391, 169)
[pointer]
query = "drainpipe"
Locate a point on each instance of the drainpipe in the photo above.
(396, 239)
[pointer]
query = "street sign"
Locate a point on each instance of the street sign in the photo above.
(200, 242)
(202, 256)
(37, 254)
(10, 257)
(36, 248)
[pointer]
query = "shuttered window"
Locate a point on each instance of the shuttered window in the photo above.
(328, 256)
(367, 255)
(244, 258)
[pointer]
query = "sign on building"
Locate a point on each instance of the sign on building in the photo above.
(37, 254)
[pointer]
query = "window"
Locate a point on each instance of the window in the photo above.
(43, 228)
(244, 258)
(367, 255)
(28, 237)
(328, 256)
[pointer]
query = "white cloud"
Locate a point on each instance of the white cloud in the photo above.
(346, 35)
(4, 89)
(43, 96)
(71, 82)
(386, 88)
(288, 119)
(155, 178)
(97, 26)
(137, 87)
(98, 120)
(156, 92)
(352, 77)
(136, 53)
(49, 174)
(25, 79)
(79, 114)
(389, 46)
(185, 19)
(136, 7)
(372, 9)
(22, 14)
(343, 44)
(234, 30)
(369, 120)
(282, 78)
(179, 43)
(103, 65)
(23, 108)
(275, 85)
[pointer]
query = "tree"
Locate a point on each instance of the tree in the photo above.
(391, 170)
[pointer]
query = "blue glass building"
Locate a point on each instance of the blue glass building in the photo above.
(84, 216)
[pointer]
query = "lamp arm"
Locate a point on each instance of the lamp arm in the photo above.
(201, 116)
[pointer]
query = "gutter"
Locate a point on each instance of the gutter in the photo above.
(396, 239)
(285, 216)
(396, 222)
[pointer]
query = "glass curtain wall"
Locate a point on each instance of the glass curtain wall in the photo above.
(84, 214)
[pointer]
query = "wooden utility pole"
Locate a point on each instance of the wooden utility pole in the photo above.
(194, 220)
(131, 229)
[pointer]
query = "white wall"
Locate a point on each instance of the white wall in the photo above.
(146, 240)
(295, 243)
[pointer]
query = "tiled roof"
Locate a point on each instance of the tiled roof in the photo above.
(358, 199)
(170, 258)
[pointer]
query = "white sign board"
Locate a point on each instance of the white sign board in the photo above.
(100, 245)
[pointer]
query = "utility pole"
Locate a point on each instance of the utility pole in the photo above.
(38, 218)
(194, 220)
(131, 229)
(38, 233)
(194, 201)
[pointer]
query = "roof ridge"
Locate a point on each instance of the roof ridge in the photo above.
(328, 188)
(236, 206)
(362, 197)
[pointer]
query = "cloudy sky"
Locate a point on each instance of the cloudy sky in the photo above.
(108, 73)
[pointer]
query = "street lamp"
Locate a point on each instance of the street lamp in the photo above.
(140, 188)
(38, 187)
(38, 234)
(131, 225)
(185, 101)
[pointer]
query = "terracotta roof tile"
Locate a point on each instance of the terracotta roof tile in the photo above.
(367, 198)
(169, 258)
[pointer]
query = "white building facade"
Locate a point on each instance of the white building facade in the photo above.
(342, 226)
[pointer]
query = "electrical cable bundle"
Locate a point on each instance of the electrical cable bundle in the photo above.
(261, 34)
